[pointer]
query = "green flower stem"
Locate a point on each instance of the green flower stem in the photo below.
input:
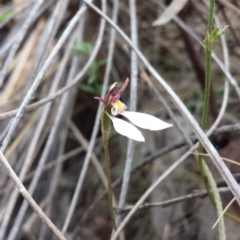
(205, 115)
(205, 172)
(208, 37)
(208, 67)
(105, 129)
(216, 199)
(211, 15)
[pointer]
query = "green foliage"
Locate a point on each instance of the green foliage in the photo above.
(92, 86)
(215, 35)
(210, 184)
(94, 70)
(6, 15)
(82, 48)
(105, 120)
(87, 88)
(207, 40)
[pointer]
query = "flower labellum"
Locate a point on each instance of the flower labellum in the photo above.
(114, 107)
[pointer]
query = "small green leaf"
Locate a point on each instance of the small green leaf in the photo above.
(92, 78)
(215, 33)
(6, 15)
(221, 32)
(86, 48)
(92, 73)
(101, 62)
(82, 48)
(207, 40)
(218, 33)
(86, 88)
(99, 88)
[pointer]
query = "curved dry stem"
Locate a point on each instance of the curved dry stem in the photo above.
(19, 39)
(40, 75)
(29, 199)
(132, 107)
(35, 141)
(170, 202)
(57, 120)
(95, 128)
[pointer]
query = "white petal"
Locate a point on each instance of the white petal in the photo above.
(146, 121)
(126, 129)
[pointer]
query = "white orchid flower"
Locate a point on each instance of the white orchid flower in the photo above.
(114, 107)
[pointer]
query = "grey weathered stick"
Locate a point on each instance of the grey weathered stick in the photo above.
(64, 110)
(50, 140)
(93, 136)
(5, 48)
(146, 195)
(22, 9)
(29, 199)
(197, 194)
(132, 107)
(35, 105)
(188, 30)
(57, 161)
(71, 96)
(47, 37)
(19, 39)
(31, 150)
(40, 75)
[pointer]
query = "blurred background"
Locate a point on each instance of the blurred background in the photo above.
(57, 56)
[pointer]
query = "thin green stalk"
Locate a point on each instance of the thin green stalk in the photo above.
(105, 129)
(205, 115)
(216, 199)
(208, 66)
(205, 172)
(211, 15)
(208, 38)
